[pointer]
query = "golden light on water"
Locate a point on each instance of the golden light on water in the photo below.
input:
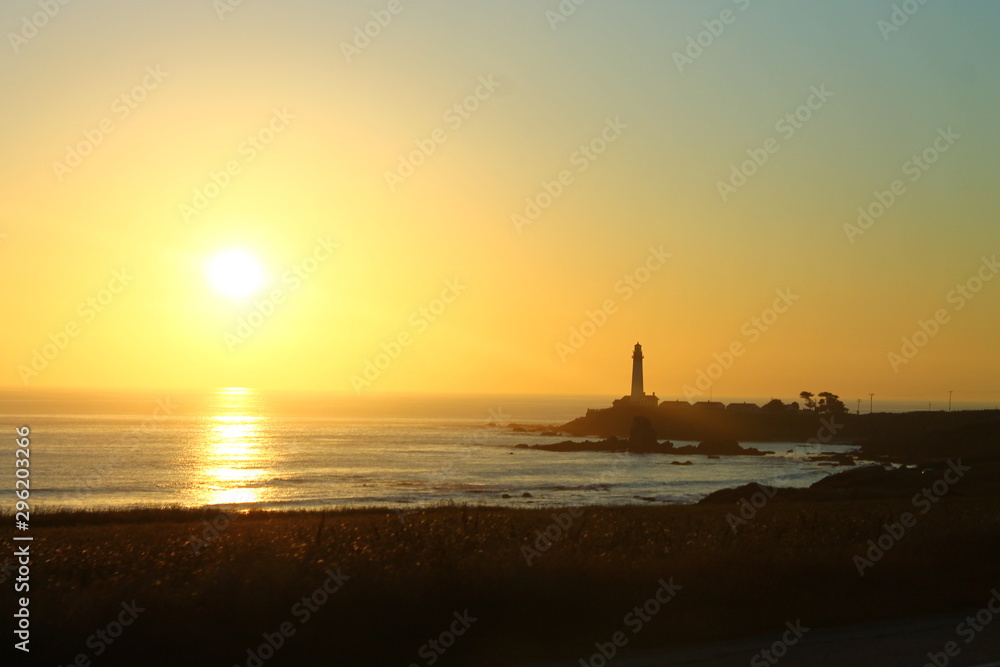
(234, 436)
(235, 457)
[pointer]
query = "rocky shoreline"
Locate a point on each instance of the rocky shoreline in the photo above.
(712, 448)
(643, 440)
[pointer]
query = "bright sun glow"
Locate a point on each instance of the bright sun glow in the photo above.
(235, 273)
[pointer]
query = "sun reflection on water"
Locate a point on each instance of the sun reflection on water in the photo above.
(236, 459)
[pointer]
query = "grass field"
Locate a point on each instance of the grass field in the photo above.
(209, 593)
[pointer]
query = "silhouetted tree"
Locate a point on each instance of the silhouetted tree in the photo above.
(830, 404)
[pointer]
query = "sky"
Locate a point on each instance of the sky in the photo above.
(443, 196)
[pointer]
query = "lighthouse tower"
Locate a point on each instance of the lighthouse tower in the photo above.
(638, 395)
(637, 391)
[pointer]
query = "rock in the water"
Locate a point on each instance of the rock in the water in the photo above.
(641, 436)
(721, 448)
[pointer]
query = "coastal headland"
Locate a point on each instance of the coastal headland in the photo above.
(681, 421)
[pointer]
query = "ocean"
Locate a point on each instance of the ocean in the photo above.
(241, 449)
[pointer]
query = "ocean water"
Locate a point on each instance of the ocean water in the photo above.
(239, 448)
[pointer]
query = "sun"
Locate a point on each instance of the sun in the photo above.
(235, 273)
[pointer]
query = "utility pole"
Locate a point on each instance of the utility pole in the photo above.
(859, 406)
(871, 403)
(950, 392)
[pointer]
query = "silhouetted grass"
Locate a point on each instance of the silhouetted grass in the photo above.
(409, 572)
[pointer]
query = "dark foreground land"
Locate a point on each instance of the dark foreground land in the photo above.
(194, 594)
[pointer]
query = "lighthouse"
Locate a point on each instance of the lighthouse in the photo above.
(638, 395)
(637, 391)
